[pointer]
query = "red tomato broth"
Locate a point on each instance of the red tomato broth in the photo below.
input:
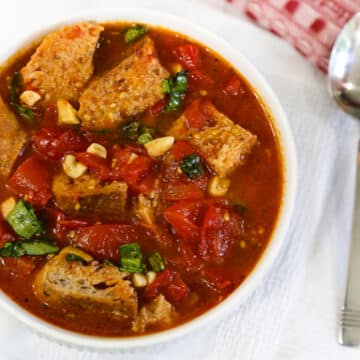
(257, 185)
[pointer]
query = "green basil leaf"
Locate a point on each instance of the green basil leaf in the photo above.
(134, 33)
(74, 257)
(156, 262)
(18, 248)
(131, 258)
(192, 166)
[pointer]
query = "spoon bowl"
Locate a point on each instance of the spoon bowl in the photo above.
(344, 68)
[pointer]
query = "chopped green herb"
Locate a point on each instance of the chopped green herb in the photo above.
(192, 166)
(146, 135)
(17, 249)
(134, 33)
(23, 220)
(136, 132)
(131, 130)
(131, 258)
(156, 262)
(15, 88)
(74, 257)
(176, 87)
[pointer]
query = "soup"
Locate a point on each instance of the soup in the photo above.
(140, 175)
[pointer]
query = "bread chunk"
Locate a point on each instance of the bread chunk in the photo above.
(159, 313)
(223, 144)
(63, 62)
(72, 279)
(87, 196)
(126, 90)
(12, 139)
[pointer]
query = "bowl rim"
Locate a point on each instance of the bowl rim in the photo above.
(287, 147)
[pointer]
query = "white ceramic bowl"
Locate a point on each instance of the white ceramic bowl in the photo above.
(290, 175)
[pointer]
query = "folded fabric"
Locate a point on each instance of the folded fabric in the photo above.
(311, 26)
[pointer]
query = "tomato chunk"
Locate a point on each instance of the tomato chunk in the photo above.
(103, 240)
(182, 148)
(220, 229)
(32, 179)
(96, 164)
(138, 173)
(53, 144)
(198, 114)
(169, 283)
(188, 55)
(184, 218)
(198, 79)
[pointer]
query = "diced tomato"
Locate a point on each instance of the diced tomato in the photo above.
(182, 191)
(182, 148)
(32, 179)
(137, 173)
(103, 240)
(197, 79)
(6, 234)
(219, 231)
(188, 55)
(170, 284)
(184, 218)
(189, 254)
(53, 144)
(232, 86)
(96, 164)
(20, 267)
(199, 115)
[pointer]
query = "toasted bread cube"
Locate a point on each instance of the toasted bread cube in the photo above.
(224, 145)
(63, 62)
(158, 314)
(12, 139)
(80, 283)
(87, 197)
(126, 90)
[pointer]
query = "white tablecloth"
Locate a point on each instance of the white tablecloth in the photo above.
(292, 314)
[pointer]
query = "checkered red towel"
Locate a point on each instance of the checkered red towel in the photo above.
(311, 26)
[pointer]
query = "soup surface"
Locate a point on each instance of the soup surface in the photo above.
(140, 179)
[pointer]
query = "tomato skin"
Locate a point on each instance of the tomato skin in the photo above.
(157, 108)
(182, 148)
(188, 55)
(103, 240)
(198, 114)
(183, 217)
(138, 174)
(52, 144)
(169, 283)
(218, 233)
(182, 191)
(96, 164)
(32, 178)
(232, 86)
(197, 79)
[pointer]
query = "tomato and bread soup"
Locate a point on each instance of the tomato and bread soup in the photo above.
(140, 175)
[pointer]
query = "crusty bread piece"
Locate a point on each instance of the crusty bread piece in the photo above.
(159, 313)
(86, 196)
(63, 63)
(12, 139)
(126, 90)
(224, 145)
(86, 285)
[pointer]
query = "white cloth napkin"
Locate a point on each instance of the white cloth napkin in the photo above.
(326, 143)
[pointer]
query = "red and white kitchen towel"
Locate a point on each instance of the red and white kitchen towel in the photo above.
(311, 26)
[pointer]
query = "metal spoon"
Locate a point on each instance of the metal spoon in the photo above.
(344, 86)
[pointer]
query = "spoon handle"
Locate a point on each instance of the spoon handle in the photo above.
(349, 322)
